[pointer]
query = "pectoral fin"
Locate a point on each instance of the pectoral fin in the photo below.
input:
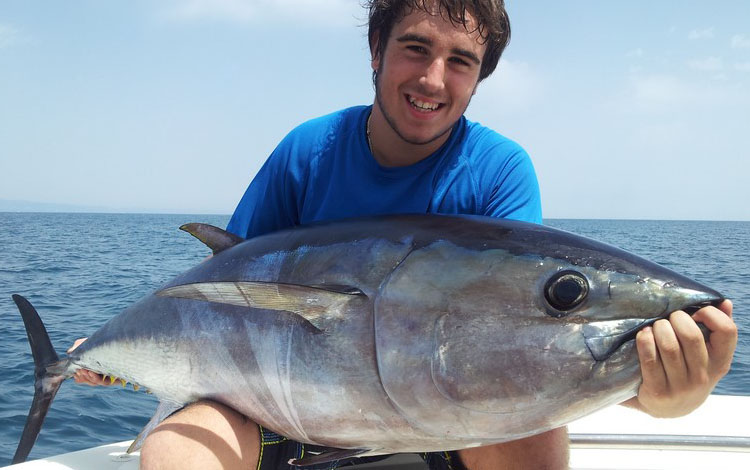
(213, 237)
(316, 304)
(329, 455)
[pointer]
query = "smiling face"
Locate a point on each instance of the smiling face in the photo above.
(426, 77)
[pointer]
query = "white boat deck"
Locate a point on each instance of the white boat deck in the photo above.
(688, 448)
(716, 436)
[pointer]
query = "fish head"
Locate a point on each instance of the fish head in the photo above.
(612, 306)
(612, 293)
(546, 324)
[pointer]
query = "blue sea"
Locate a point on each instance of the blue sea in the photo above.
(81, 269)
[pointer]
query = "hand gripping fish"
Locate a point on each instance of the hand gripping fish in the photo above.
(408, 333)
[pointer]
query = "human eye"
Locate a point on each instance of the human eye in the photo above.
(459, 61)
(416, 48)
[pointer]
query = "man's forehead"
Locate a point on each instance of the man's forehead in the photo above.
(437, 26)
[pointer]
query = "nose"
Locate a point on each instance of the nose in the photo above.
(433, 79)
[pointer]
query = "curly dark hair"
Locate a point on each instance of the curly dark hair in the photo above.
(493, 23)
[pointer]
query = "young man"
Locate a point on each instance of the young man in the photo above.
(413, 151)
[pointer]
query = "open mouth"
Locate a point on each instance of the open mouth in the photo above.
(603, 338)
(423, 106)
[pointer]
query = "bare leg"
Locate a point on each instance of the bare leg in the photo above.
(205, 435)
(547, 451)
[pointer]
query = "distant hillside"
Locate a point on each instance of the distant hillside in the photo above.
(9, 205)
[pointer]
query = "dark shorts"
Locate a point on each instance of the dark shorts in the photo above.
(276, 451)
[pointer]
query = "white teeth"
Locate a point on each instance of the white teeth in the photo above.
(423, 105)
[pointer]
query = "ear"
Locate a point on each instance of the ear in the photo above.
(375, 56)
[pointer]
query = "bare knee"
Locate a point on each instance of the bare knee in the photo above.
(205, 435)
(546, 451)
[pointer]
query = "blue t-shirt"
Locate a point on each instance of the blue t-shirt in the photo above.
(324, 170)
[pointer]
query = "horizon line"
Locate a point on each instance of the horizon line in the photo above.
(133, 212)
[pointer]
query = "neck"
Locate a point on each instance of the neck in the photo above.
(389, 149)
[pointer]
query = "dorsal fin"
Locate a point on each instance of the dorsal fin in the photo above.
(316, 304)
(213, 237)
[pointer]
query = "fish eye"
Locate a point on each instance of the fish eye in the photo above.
(565, 291)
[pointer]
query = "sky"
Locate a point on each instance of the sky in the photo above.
(635, 110)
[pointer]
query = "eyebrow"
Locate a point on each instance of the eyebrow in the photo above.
(411, 37)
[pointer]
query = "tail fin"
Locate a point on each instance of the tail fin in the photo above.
(45, 384)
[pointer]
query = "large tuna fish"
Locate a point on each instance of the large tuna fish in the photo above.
(383, 335)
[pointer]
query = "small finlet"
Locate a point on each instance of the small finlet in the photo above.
(329, 455)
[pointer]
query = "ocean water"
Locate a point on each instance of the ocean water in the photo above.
(81, 269)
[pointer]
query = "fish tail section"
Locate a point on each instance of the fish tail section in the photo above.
(46, 383)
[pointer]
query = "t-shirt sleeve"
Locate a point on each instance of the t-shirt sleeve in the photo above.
(270, 201)
(514, 193)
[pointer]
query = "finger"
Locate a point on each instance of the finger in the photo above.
(727, 307)
(97, 379)
(76, 343)
(721, 325)
(670, 353)
(81, 377)
(87, 377)
(652, 369)
(694, 349)
(723, 338)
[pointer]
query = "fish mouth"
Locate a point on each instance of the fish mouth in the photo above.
(603, 338)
